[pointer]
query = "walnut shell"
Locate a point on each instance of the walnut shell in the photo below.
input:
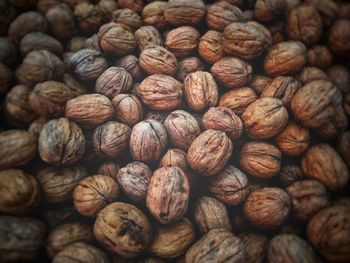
(338, 38)
(290, 173)
(210, 46)
(148, 36)
(175, 157)
(38, 40)
(182, 41)
(110, 169)
(344, 147)
(238, 99)
(259, 83)
(61, 21)
(309, 74)
(267, 11)
(340, 76)
(134, 5)
(328, 10)
(187, 66)
(127, 17)
(184, 12)
(76, 43)
(128, 109)
(256, 246)
(87, 16)
(153, 14)
(319, 56)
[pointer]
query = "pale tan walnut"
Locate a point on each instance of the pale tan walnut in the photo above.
(88, 17)
(322, 163)
(182, 41)
(175, 157)
(246, 39)
(328, 232)
(127, 17)
(232, 72)
(185, 12)
(133, 179)
(17, 148)
(22, 238)
(210, 46)
(109, 168)
(293, 139)
(265, 118)
(217, 246)
(89, 109)
(38, 40)
(343, 147)
(268, 11)
(173, 240)
(128, 109)
(285, 58)
(160, 92)
(259, 83)
(153, 14)
(290, 173)
(158, 60)
(201, 90)
(94, 193)
(309, 74)
(123, 229)
(209, 213)
(19, 192)
(290, 248)
(66, 234)
(188, 65)
(182, 128)
(260, 159)
(340, 76)
(134, 5)
(308, 198)
(168, 194)
(221, 14)
(319, 56)
(80, 252)
(148, 36)
(338, 38)
(267, 208)
(230, 186)
(256, 246)
(238, 99)
(131, 64)
(209, 152)
(57, 184)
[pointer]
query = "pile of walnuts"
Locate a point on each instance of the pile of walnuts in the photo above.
(175, 131)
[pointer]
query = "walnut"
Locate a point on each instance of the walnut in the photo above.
(153, 14)
(256, 246)
(188, 65)
(259, 83)
(36, 126)
(61, 21)
(130, 19)
(309, 74)
(238, 99)
(184, 12)
(110, 169)
(319, 56)
(128, 109)
(92, 43)
(344, 147)
(267, 11)
(210, 46)
(134, 5)
(106, 9)
(328, 10)
(340, 76)
(338, 38)
(131, 64)
(290, 174)
(157, 116)
(37, 41)
(75, 86)
(148, 35)
(175, 157)
(57, 216)
(182, 41)
(88, 17)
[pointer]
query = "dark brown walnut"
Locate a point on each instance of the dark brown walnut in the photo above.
(87, 16)
(210, 46)
(209, 152)
(25, 23)
(36, 126)
(153, 14)
(209, 213)
(182, 128)
(246, 39)
(188, 65)
(44, 5)
(277, 32)
(308, 198)
(182, 41)
(57, 184)
(232, 72)
(268, 11)
(168, 194)
(173, 240)
(48, 99)
(313, 105)
(327, 231)
(6, 78)
(19, 192)
(158, 60)
(134, 5)
(265, 118)
(22, 238)
(290, 248)
(131, 64)
(61, 21)
(74, 85)
(293, 139)
(238, 222)
(8, 51)
(223, 119)
(116, 39)
(133, 180)
(110, 169)
(309, 74)
(66, 234)
(39, 66)
(8, 14)
(217, 246)
(346, 103)
(149, 260)
(57, 216)
(230, 186)
(160, 92)
(285, 58)
(17, 147)
(329, 10)
(61, 142)
(128, 109)
(113, 81)
(123, 229)
(94, 193)
(343, 147)
(238, 99)
(259, 83)
(148, 141)
(90, 109)
(321, 162)
(267, 208)
(128, 18)
(290, 173)
(92, 43)
(80, 252)
(184, 12)
(260, 159)
(319, 56)
(338, 38)
(87, 64)
(175, 157)
(221, 14)
(282, 88)
(340, 76)
(304, 24)
(76, 43)
(256, 246)
(111, 139)
(148, 36)
(38, 40)
(201, 90)
(17, 107)
(159, 116)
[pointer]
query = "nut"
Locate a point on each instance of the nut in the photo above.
(183, 40)
(238, 99)
(128, 109)
(184, 12)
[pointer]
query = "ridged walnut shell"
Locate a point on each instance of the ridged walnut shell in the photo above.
(153, 14)
(148, 36)
(128, 109)
(182, 41)
(210, 46)
(185, 12)
(238, 99)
